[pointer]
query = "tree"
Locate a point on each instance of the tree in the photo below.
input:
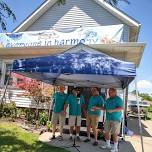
(36, 91)
(5, 13)
(61, 2)
(115, 2)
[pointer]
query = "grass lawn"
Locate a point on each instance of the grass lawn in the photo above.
(15, 139)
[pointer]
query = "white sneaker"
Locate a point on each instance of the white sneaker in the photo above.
(105, 146)
(114, 150)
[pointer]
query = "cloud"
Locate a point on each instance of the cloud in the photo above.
(144, 84)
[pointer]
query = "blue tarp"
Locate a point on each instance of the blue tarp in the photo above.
(78, 66)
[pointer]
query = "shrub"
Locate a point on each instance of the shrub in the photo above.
(8, 110)
(49, 125)
(43, 118)
(30, 115)
(150, 108)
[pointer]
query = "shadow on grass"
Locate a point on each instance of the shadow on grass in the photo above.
(11, 142)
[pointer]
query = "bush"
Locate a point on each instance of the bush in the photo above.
(20, 112)
(43, 118)
(8, 110)
(30, 115)
(49, 125)
(150, 108)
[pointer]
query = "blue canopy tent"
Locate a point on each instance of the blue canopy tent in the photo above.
(78, 66)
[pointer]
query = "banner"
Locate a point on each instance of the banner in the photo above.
(87, 35)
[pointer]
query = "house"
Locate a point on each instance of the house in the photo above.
(75, 14)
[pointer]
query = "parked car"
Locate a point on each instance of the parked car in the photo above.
(132, 109)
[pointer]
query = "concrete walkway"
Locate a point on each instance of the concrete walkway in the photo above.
(131, 144)
(84, 147)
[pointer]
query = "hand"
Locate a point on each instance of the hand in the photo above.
(63, 112)
(85, 114)
(110, 111)
(94, 108)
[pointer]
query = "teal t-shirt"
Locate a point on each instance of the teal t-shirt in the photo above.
(75, 105)
(113, 103)
(59, 101)
(95, 101)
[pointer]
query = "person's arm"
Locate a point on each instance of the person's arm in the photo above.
(66, 105)
(100, 105)
(119, 106)
(116, 110)
(83, 106)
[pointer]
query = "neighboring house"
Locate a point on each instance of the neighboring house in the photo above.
(72, 15)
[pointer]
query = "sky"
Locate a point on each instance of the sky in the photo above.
(140, 10)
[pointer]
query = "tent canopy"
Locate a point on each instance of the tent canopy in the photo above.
(78, 66)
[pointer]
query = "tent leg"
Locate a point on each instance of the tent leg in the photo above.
(51, 104)
(139, 118)
(123, 120)
(5, 89)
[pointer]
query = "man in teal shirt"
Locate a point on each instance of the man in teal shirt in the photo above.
(59, 99)
(75, 104)
(93, 116)
(113, 107)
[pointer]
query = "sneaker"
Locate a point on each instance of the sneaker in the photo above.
(70, 138)
(60, 138)
(105, 146)
(95, 143)
(78, 138)
(114, 150)
(87, 140)
(53, 137)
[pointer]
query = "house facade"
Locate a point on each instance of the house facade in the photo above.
(70, 16)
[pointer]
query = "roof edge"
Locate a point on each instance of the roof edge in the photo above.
(49, 3)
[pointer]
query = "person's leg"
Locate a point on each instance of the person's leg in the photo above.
(54, 120)
(95, 121)
(115, 132)
(78, 125)
(107, 129)
(61, 123)
(88, 123)
(71, 124)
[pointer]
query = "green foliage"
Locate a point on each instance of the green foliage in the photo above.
(30, 115)
(115, 2)
(43, 118)
(5, 12)
(49, 125)
(150, 109)
(146, 96)
(61, 2)
(8, 110)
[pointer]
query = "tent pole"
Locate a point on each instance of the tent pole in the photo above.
(5, 89)
(139, 118)
(123, 120)
(51, 104)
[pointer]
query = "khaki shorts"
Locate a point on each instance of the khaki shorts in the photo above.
(112, 126)
(92, 120)
(72, 121)
(58, 117)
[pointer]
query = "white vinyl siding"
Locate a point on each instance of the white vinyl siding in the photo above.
(17, 96)
(74, 14)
